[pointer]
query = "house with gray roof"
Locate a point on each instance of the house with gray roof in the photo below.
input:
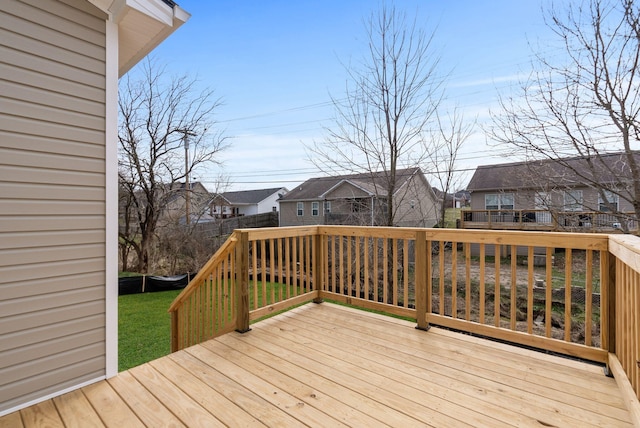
(246, 202)
(361, 199)
(573, 193)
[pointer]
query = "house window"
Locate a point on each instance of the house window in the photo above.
(315, 208)
(573, 200)
(327, 207)
(611, 201)
(498, 201)
(274, 209)
(300, 209)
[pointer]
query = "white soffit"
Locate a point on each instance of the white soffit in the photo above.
(142, 25)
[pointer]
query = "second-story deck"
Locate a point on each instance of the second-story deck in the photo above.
(545, 220)
(326, 365)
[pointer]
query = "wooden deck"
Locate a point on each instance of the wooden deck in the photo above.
(325, 365)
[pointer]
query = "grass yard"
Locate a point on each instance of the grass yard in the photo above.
(144, 327)
(450, 217)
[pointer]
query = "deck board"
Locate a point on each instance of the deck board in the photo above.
(484, 373)
(326, 365)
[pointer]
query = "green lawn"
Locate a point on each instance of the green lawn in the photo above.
(450, 217)
(144, 327)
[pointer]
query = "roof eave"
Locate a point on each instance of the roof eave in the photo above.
(142, 25)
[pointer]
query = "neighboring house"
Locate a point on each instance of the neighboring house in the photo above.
(458, 199)
(360, 199)
(61, 60)
(549, 195)
(175, 204)
(246, 202)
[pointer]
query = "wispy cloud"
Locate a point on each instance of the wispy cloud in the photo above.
(515, 78)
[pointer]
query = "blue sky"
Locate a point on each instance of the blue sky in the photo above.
(276, 63)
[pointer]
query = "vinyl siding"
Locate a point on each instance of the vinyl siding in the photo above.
(525, 199)
(52, 193)
(289, 214)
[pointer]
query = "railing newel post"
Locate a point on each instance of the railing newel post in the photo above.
(423, 300)
(318, 263)
(242, 282)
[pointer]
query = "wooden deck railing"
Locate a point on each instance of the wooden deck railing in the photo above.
(625, 339)
(530, 219)
(206, 308)
(574, 294)
(255, 273)
(536, 289)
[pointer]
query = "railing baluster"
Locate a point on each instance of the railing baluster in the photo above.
(496, 298)
(254, 269)
(263, 270)
(514, 286)
(366, 244)
(588, 304)
(441, 292)
(307, 254)
(294, 266)
(454, 280)
(395, 256)
(405, 275)
(357, 267)
(385, 270)
(286, 267)
(349, 290)
(272, 269)
(530, 285)
(567, 294)
(375, 251)
(467, 282)
(280, 266)
(548, 293)
(482, 283)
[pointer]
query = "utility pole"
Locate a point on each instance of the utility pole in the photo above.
(185, 139)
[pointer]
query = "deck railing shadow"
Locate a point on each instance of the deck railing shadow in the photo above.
(569, 293)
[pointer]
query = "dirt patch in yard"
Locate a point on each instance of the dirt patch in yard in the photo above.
(479, 281)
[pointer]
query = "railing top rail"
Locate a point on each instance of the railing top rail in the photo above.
(206, 270)
(627, 249)
(581, 241)
(377, 231)
(279, 232)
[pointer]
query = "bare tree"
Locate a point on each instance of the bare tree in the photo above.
(382, 122)
(586, 105)
(157, 113)
(452, 133)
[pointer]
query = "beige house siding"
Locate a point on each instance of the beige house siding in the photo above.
(525, 199)
(415, 203)
(52, 197)
(289, 214)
